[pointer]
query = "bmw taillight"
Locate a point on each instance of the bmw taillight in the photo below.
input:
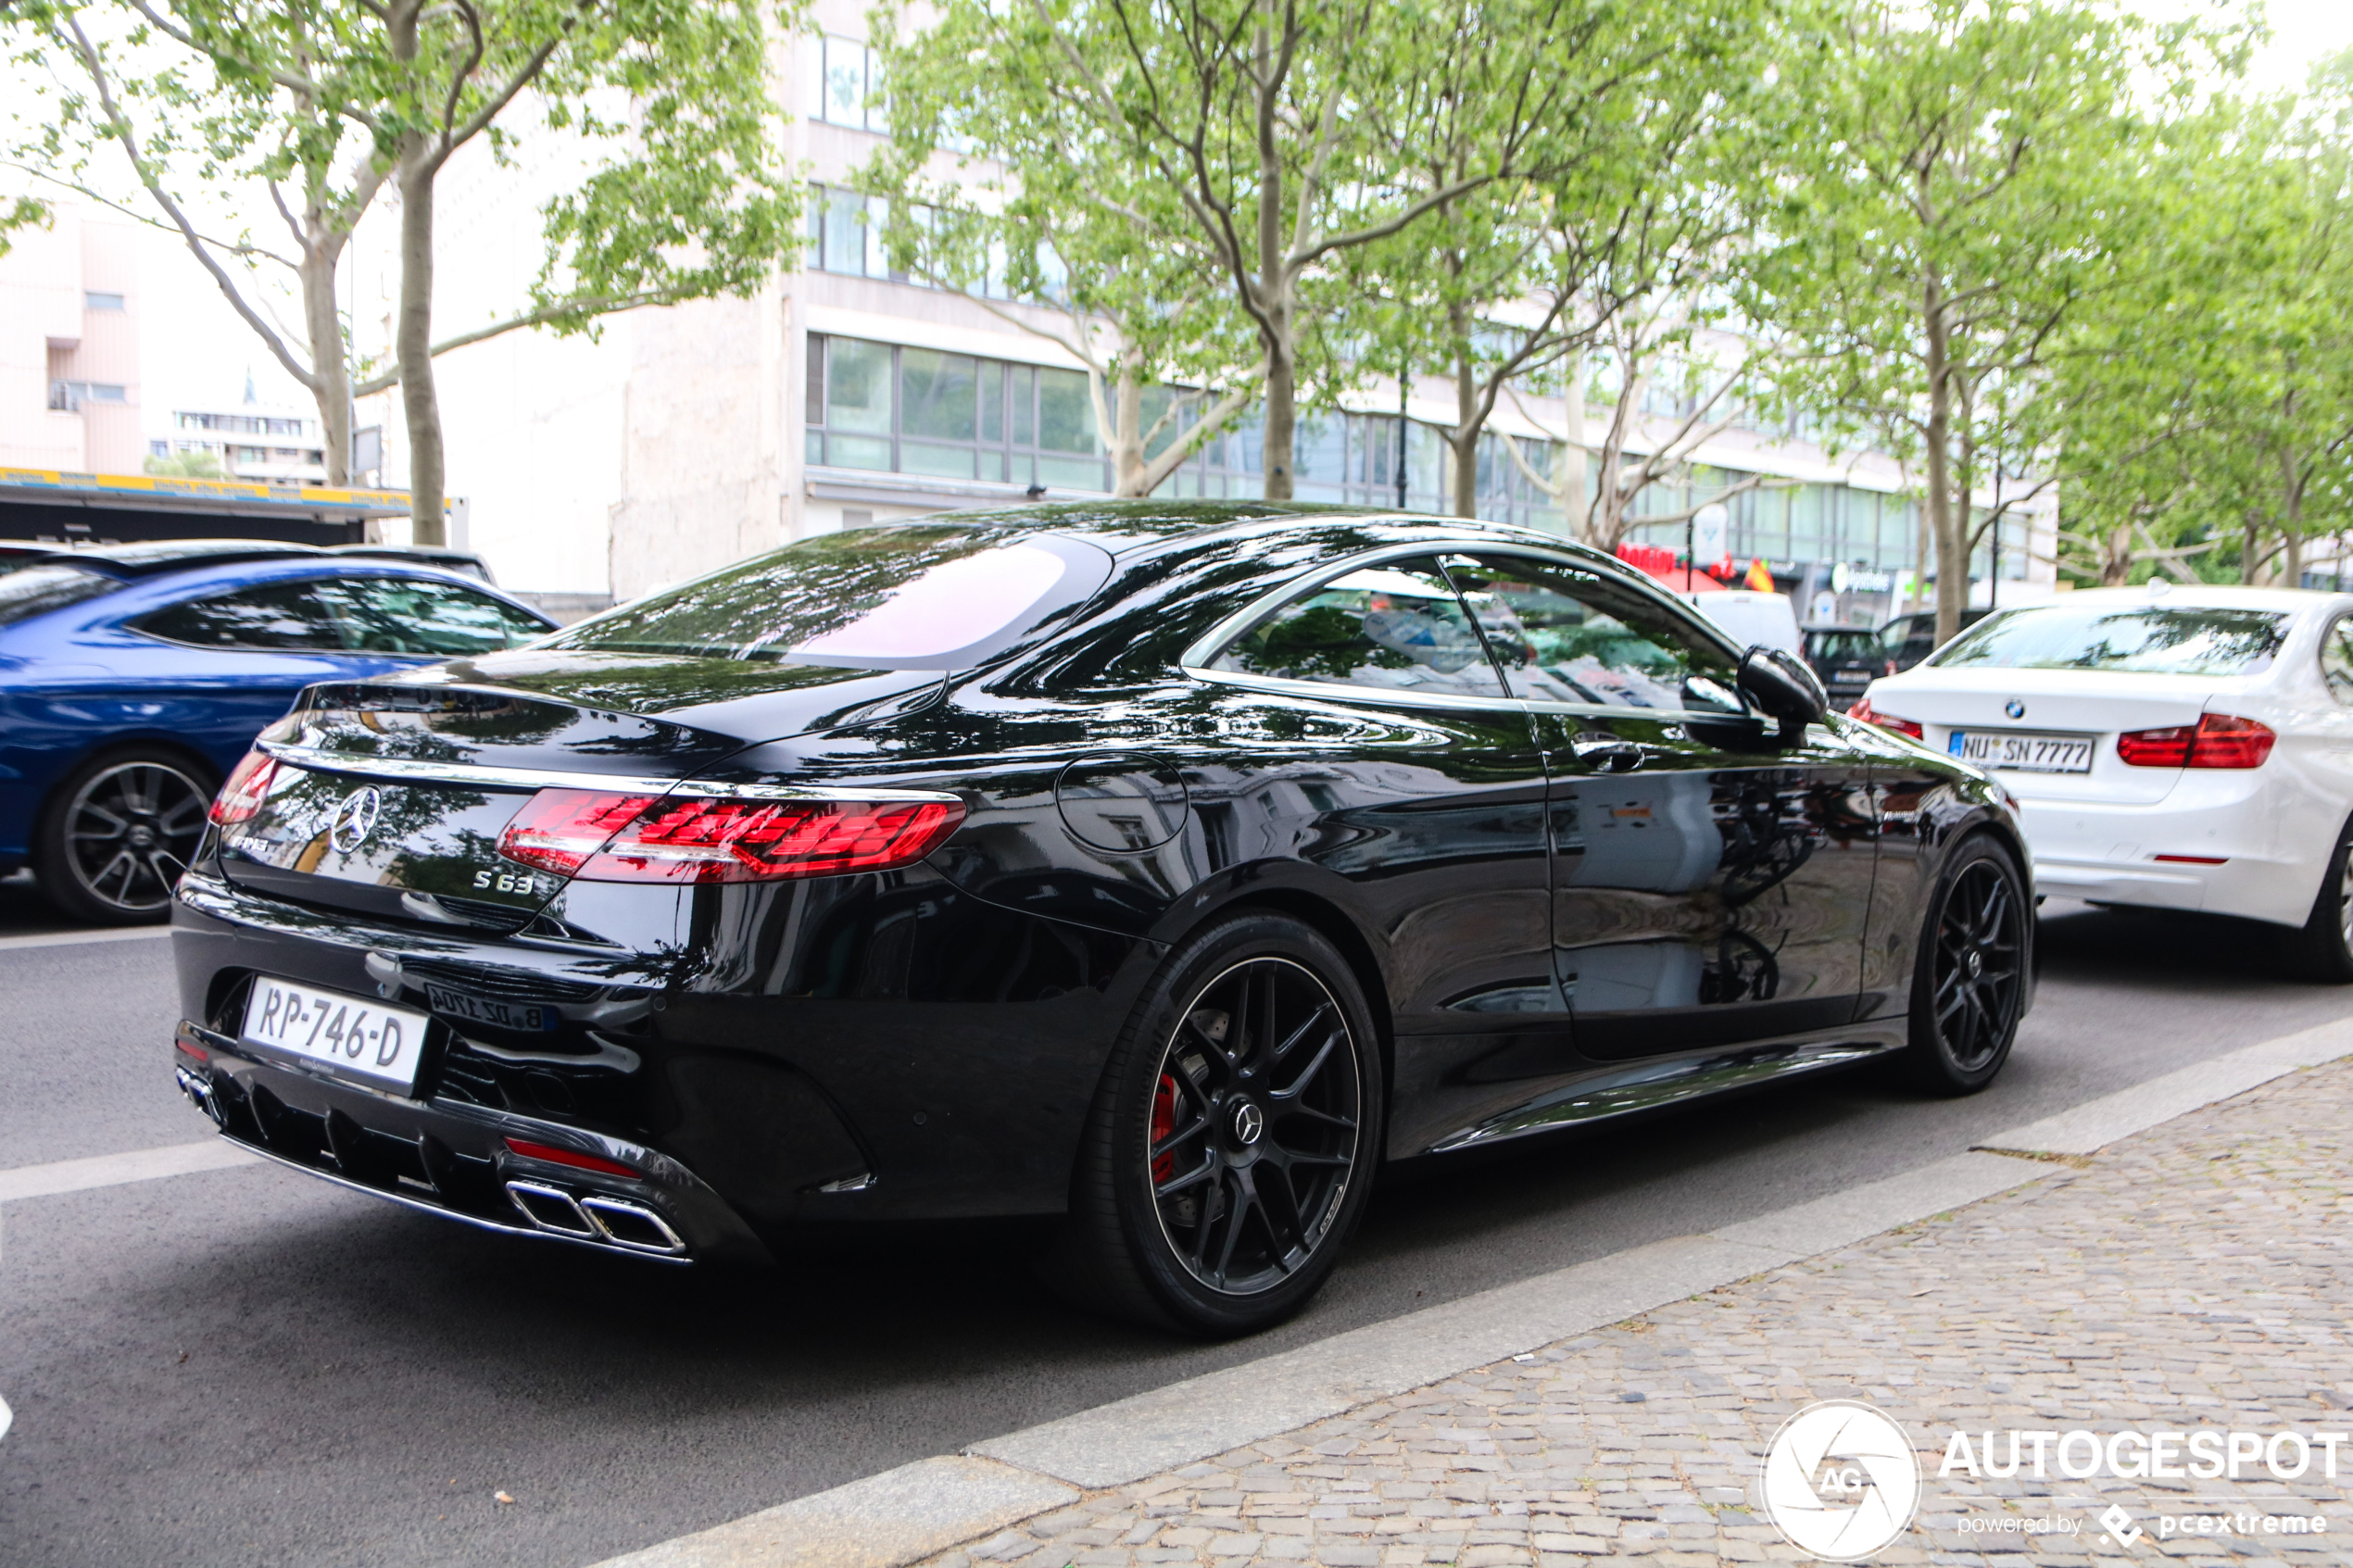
(594, 836)
(248, 787)
(2218, 740)
(1869, 715)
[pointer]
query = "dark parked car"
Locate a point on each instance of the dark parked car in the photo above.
(1846, 659)
(1166, 868)
(1907, 639)
(133, 676)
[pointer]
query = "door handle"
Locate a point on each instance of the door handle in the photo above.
(1604, 753)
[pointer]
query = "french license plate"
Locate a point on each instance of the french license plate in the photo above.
(2023, 752)
(530, 1017)
(351, 1036)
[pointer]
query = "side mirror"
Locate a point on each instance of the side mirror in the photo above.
(1785, 687)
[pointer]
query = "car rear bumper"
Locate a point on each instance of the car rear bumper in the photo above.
(455, 1162)
(2218, 850)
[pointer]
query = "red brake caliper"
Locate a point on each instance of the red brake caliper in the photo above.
(1163, 1123)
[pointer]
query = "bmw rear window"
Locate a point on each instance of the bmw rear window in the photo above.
(2131, 639)
(37, 590)
(924, 597)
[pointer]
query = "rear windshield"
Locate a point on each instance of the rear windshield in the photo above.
(2145, 640)
(35, 590)
(925, 597)
(1841, 645)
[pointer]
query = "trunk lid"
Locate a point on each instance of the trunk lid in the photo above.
(390, 794)
(2100, 705)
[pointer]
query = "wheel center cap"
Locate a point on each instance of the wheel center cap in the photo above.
(1973, 963)
(142, 836)
(1248, 1122)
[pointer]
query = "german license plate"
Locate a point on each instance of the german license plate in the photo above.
(2023, 752)
(350, 1037)
(530, 1017)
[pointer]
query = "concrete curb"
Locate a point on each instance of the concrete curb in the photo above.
(905, 1514)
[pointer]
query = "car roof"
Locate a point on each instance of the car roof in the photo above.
(2216, 596)
(1133, 528)
(157, 555)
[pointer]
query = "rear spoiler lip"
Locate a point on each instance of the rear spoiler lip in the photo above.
(412, 770)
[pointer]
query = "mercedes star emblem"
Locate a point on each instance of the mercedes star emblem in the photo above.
(356, 818)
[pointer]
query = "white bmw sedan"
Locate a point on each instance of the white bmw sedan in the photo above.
(2190, 748)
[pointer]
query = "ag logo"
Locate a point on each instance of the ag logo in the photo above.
(356, 818)
(1841, 1480)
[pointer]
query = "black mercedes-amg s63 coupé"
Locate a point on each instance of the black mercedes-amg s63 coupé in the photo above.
(1166, 868)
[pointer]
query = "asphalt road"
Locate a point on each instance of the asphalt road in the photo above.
(249, 1366)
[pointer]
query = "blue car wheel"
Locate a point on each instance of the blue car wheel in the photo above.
(118, 834)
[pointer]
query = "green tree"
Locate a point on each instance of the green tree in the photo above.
(1949, 212)
(1255, 141)
(324, 105)
(1014, 232)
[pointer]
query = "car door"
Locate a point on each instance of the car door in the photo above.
(1710, 880)
(1392, 757)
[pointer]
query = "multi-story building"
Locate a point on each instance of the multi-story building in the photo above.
(842, 394)
(69, 346)
(272, 445)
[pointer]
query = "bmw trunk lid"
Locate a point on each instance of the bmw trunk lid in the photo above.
(2098, 705)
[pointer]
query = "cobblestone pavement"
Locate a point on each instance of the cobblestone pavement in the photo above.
(2196, 1275)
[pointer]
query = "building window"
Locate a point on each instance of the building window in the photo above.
(91, 301)
(845, 233)
(848, 86)
(68, 397)
(893, 409)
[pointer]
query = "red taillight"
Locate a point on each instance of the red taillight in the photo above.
(597, 837)
(1869, 715)
(578, 1162)
(248, 787)
(2218, 740)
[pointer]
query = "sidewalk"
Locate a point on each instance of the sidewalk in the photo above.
(2195, 1275)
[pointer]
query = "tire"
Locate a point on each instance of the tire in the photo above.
(115, 835)
(1231, 1147)
(2324, 948)
(1968, 985)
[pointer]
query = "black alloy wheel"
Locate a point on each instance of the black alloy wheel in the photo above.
(1234, 1142)
(1969, 990)
(116, 835)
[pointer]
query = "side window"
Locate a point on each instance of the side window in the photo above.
(277, 615)
(416, 615)
(1397, 626)
(1571, 636)
(2337, 659)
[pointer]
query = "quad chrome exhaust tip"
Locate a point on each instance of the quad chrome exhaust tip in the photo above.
(595, 1217)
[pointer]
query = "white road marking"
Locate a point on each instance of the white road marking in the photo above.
(113, 1169)
(76, 938)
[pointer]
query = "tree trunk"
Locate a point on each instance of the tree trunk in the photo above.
(1462, 440)
(2291, 569)
(1282, 436)
(330, 366)
(1952, 549)
(1575, 481)
(412, 345)
(1128, 440)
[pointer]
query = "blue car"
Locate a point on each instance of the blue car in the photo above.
(134, 677)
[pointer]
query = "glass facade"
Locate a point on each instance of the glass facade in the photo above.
(920, 411)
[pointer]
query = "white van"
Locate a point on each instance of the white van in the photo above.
(1750, 618)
